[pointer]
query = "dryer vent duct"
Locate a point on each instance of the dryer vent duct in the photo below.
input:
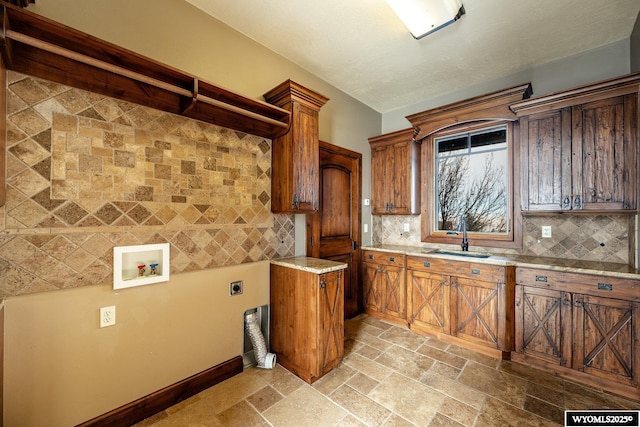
(264, 359)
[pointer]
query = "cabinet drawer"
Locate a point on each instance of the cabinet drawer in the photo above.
(486, 272)
(385, 258)
(590, 284)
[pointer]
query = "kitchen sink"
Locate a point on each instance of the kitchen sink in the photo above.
(467, 254)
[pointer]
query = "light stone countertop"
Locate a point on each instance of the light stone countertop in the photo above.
(556, 264)
(313, 265)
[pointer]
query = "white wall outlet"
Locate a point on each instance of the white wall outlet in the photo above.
(406, 226)
(366, 202)
(546, 231)
(235, 288)
(366, 227)
(107, 316)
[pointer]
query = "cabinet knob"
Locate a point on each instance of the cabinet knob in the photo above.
(541, 279)
(296, 201)
(475, 271)
(427, 264)
(323, 284)
(392, 259)
(577, 202)
(566, 202)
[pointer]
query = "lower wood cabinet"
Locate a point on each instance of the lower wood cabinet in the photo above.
(307, 320)
(383, 285)
(580, 325)
(471, 302)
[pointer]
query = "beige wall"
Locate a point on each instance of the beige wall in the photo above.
(62, 369)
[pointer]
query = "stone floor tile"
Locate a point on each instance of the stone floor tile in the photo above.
(362, 383)
(368, 367)
(370, 412)
(334, 379)
(369, 352)
(264, 398)
(443, 356)
(403, 337)
(443, 421)
(492, 362)
(241, 415)
(305, 407)
(410, 399)
(498, 413)
(544, 409)
(495, 383)
(458, 411)
(406, 362)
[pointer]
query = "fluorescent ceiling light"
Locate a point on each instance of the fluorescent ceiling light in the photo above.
(423, 17)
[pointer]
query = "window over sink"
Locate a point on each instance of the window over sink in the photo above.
(469, 176)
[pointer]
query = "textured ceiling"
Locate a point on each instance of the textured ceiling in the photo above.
(360, 46)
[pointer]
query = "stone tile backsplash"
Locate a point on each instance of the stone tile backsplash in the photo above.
(86, 173)
(592, 237)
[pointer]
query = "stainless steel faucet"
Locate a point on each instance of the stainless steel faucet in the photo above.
(462, 226)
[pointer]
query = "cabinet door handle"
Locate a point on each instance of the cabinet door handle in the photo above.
(323, 284)
(475, 271)
(605, 286)
(541, 279)
(392, 259)
(566, 203)
(577, 203)
(296, 201)
(370, 256)
(427, 264)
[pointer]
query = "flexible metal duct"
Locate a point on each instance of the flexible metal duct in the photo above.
(265, 360)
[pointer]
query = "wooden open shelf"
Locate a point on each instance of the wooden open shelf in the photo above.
(37, 46)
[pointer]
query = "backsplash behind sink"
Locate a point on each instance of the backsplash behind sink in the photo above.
(593, 237)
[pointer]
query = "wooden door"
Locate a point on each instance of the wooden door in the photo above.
(543, 324)
(333, 232)
(394, 291)
(475, 311)
(331, 320)
(398, 178)
(428, 300)
(381, 159)
(605, 154)
(546, 161)
(372, 294)
(606, 338)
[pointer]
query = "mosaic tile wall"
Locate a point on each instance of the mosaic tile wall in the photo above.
(86, 173)
(596, 237)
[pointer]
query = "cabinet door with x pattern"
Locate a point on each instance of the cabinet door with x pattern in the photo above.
(607, 334)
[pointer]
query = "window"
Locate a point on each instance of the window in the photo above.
(469, 175)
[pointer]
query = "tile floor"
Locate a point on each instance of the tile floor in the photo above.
(392, 376)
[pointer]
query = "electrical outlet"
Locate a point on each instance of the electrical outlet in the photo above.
(406, 226)
(546, 231)
(366, 227)
(107, 316)
(235, 288)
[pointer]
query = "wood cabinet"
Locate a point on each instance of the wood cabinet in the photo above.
(579, 149)
(468, 301)
(383, 285)
(581, 326)
(307, 317)
(295, 155)
(395, 174)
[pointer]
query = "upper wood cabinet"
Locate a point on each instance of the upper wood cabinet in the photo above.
(579, 149)
(295, 155)
(395, 174)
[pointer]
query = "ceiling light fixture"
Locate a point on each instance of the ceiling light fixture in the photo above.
(423, 17)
